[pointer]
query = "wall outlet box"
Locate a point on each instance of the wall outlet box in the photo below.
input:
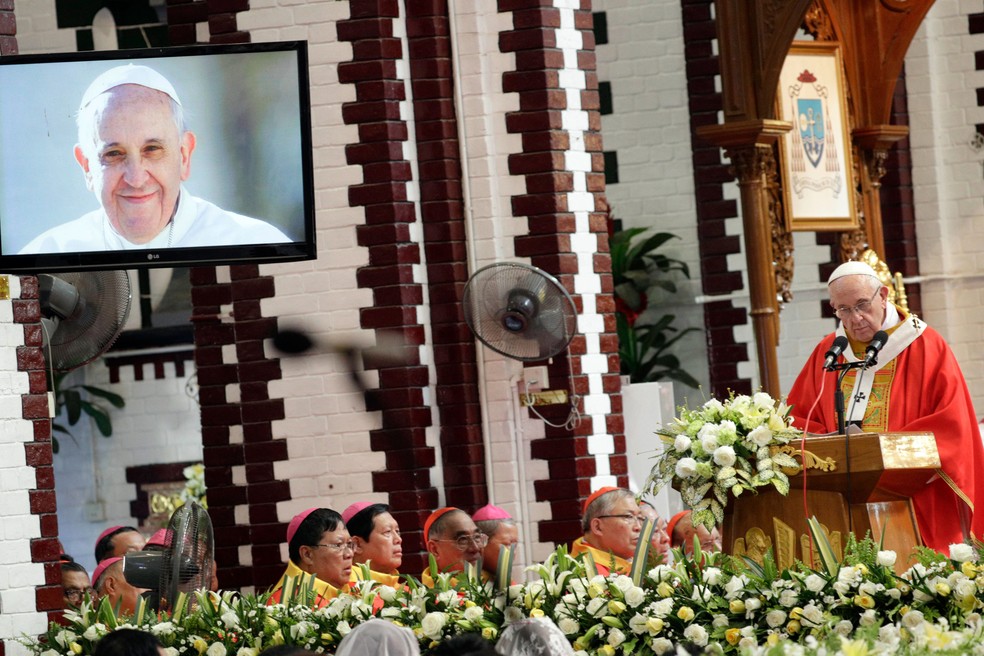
(94, 511)
(536, 378)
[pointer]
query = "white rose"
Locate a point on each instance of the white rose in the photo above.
(788, 598)
(775, 618)
(247, 651)
(660, 573)
(761, 436)
(50, 652)
(662, 646)
(696, 634)
(712, 576)
(344, 628)
(686, 468)
(912, 619)
(94, 632)
(216, 649)
(433, 623)
(812, 614)
(473, 613)
(615, 637)
(681, 443)
(448, 597)
(844, 628)
(597, 607)
(171, 651)
(637, 624)
(714, 407)
(708, 436)
(752, 604)
(763, 400)
(868, 618)
(663, 607)
(886, 558)
(162, 629)
(962, 552)
(634, 596)
(964, 588)
(569, 626)
(230, 619)
(623, 582)
(388, 593)
(724, 456)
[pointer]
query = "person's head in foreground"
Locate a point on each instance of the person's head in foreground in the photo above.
(75, 583)
(319, 544)
(501, 529)
(533, 636)
(453, 539)
(129, 642)
(612, 521)
(378, 637)
(134, 149)
(859, 300)
(109, 582)
(118, 541)
(682, 531)
(376, 536)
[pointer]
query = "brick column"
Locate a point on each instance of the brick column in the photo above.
(562, 164)
(393, 237)
(442, 215)
(724, 352)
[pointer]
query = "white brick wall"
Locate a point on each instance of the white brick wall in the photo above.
(18, 575)
(947, 177)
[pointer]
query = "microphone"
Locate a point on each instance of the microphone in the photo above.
(877, 344)
(835, 350)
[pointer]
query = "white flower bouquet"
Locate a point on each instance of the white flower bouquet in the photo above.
(724, 448)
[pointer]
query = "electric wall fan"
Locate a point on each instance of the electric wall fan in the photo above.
(82, 314)
(183, 565)
(519, 311)
(523, 313)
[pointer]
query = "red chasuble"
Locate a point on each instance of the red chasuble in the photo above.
(925, 391)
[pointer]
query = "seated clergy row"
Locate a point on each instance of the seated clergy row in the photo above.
(324, 546)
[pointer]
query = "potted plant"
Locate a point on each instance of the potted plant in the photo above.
(645, 344)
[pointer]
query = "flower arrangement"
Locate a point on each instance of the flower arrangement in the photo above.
(708, 604)
(194, 489)
(724, 448)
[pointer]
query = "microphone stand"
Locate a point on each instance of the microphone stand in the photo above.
(843, 368)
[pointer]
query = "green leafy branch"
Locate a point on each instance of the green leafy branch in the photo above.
(78, 400)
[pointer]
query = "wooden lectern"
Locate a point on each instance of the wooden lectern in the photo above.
(886, 470)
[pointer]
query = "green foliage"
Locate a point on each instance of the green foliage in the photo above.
(637, 270)
(78, 400)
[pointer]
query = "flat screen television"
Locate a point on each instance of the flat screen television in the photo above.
(112, 182)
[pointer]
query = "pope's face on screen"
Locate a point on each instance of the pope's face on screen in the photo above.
(137, 159)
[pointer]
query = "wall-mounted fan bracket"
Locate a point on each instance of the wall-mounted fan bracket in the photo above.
(544, 397)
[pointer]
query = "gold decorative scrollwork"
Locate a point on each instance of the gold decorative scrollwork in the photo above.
(809, 459)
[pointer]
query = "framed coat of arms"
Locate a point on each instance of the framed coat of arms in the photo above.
(816, 155)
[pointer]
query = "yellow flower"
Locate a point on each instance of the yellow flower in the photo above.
(733, 636)
(326, 637)
(796, 613)
(967, 603)
(469, 603)
(863, 569)
(613, 622)
(854, 648)
(864, 601)
(489, 632)
(654, 624)
(616, 607)
(969, 569)
(772, 640)
(581, 644)
(536, 612)
(664, 590)
(606, 650)
(903, 611)
(942, 589)
(200, 645)
(76, 648)
(736, 606)
(594, 590)
(686, 613)
(793, 627)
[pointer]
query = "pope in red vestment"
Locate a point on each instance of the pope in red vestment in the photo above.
(916, 385)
